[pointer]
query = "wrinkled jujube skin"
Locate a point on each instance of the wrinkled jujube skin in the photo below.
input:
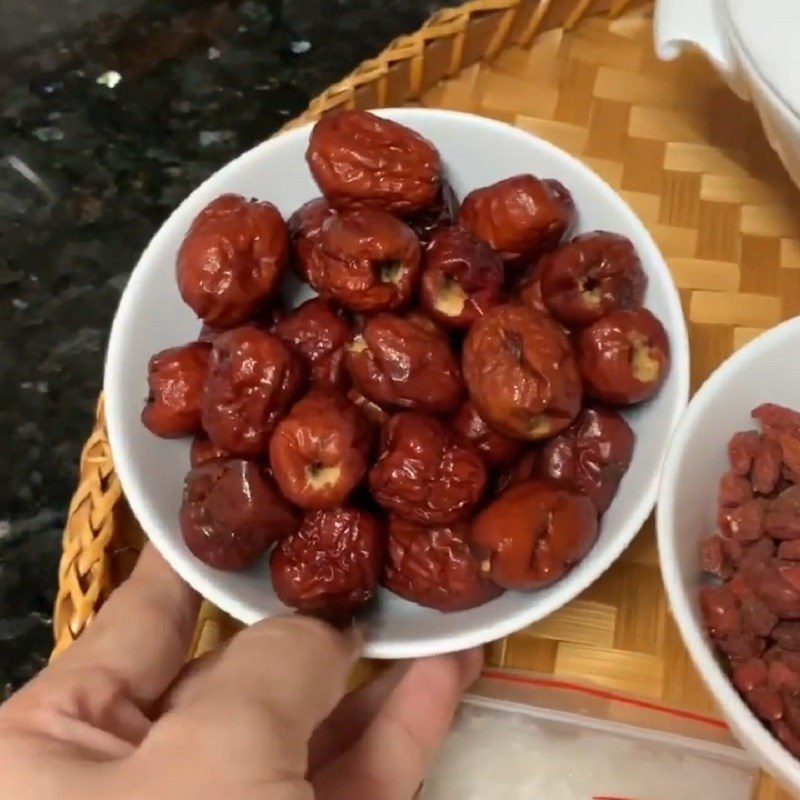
(435, 567)
(593, 274)
(591, 456)
(231, 513)
(520, 217)
(521, 373)
(204, 450)
(232, 259)
(360, 160)
(253, 379)
(497, 450)
(332, 566)
(442, 214)
(319, 333)
(533, 534)
(404, 363)
(176, 378)
(423, 474)
(319, 452)
(365, 261)
(462, 278)
(623, 357)
(305, 227)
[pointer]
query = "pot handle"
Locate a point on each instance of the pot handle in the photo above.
(697, 23)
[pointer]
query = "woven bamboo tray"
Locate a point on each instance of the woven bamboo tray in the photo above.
(692, 161)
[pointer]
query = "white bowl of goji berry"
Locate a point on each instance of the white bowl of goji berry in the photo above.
(728, 524)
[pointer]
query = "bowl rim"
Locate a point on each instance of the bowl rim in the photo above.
(743, 721)
(147, 515)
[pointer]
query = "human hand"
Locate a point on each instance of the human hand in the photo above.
(263, 717)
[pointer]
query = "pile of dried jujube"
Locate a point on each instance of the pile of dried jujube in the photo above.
(753, 611)
(420, 423)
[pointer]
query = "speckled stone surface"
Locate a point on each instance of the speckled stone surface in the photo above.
(107, 120)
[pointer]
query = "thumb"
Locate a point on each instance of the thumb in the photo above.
(246, 719)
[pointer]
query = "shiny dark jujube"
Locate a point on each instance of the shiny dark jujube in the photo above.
(204, 450)
(520, 217)
(623, 357)
(496, 449)
(254, 378)
(593, 274)
(232, 259)
(442, 214)
(591, 456)
(462, 278)
(405, 363)
(366, 261)
(176, 378)
(533, 534)
(332, 565)
(319, 452)
(521, 373)
(435, 567)
(319, 333)
(231, 513)
(423, 474)
(360, 160)
(305, 227)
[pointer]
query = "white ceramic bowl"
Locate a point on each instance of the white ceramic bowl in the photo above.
(151, 316)
(749, 43)
(761, 372)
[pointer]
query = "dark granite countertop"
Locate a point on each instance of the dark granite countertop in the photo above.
(110, 113)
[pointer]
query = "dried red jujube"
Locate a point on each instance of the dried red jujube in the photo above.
(591, 456)
(319, 333)
(305, 227)
(361, 160)
(435, 567)
(176, 378)
(624, 357)
(319, 452)
(365, 261)
(231, 513)
(462, 278)
(332, 566)
(232, 259)
(591, 275)
(533, 534)
(254, 378)
(405, 363)
(521, 372)
(423, 474)
(520, 217)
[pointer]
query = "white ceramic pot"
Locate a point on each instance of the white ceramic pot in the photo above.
(754, 46)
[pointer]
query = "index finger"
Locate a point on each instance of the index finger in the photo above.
(265, 692)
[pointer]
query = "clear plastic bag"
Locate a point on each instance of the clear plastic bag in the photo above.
(527, 737)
